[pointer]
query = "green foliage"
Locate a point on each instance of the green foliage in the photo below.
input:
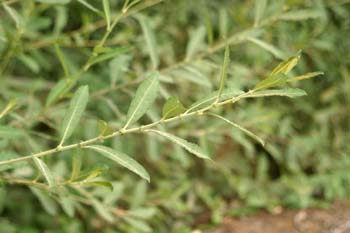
(82, 81)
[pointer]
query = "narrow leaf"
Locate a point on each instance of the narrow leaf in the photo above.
(268, 47)
(224, 68)
(89, 6)
(62, 60)
(271, 81)
(260, 6)
(303, 14)
(288, 92)
(76, 166)
(45, 200)
(7, 132)
(104, 129)
(286, 66)
(58, 91)
(107, 11)
(305, 76)
(195, 43)
(173, 107)
(8, 107)
(45, 171)
(100, 184)
(108, 54)
(102, 210)
(122, 159)
(150, 40)
(67, 205)
(190, 147)
(75, 111)
(145, 96)
(14, 15)
(246, 131)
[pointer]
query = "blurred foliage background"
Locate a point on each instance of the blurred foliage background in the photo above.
(306, 159)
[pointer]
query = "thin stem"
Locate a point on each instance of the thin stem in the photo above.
(124, 131)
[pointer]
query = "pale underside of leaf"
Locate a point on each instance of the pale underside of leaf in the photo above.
(190, 147)
(45, 171)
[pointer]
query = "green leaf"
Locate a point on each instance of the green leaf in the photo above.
(58, 91)
(76, 166)
(89, 6)
(303, 14)
(67, 204)
(286, 66)
(75, 111)
(173, 107)
(207, 101)
(45, 200)
(195, 43)
(14, 15)
(62, 60)
(10, 105)
(271, 81)
(54, 1)
(102, 210)
(107, 11)
(305, 76)
(45, 171)
(190, 147)
(7, 132)
(288, 92)
(100, 184)
(246, 131)
(122, 159)
(104, 129)
(150, 40)
(224, 68)
(268, 47)
(145, 96)
(138, 224)
(107, 54)
(260, 6)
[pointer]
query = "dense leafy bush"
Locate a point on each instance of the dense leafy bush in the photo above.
(89, 88)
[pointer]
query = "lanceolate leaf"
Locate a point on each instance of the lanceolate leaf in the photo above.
(271, 81)
(286, 66)
(45, 171)
(107, 54)
(224, 68)
(172, 108)
(75, 111)
(305, 76)
(150, 40)
(190, 147)
(268, 47)
(107, 11)
(145, 96)
(7, 132)
(122, 159)
(288, 92)
(205, 102)
(48, 204)
(247, 132)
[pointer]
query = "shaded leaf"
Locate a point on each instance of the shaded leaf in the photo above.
(122, 159)
(196, 41)
(173, 107)
(190, 147)
(260, 6)
(102, 210)
(10, 105)
(100, 183)
(223, 74)
(7, 132)
(108, 53)
(107, 11)
(67, 205)
(268, 47)
(46, 201)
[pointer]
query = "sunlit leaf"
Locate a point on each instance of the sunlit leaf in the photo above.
(305, 76)
(286, 66)
(288, 92)
(45, 171)
(271, 81)
(104, 129)
(107, 11)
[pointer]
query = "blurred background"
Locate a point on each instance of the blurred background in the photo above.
(304, 163)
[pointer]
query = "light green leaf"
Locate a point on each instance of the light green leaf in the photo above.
(45, 171)
(7, 132)
(260, 6)
(29, 62)
(145, 95)
(100, 184)
(205, 102)
(150, 40)
(54, 1)
(62, 60)
(190, 147)
(108, 53)
(138, 224)
(58, 91)
(45, 200)
(305, 76)
(288, 92)
(67, 205)
(11, 104)
(76, 166)
(196, 42)
(89, 6)
(122, 159)
(104, 129)
(107, 11)
(268, 47)
(14, 15)
(102, 210)
(223, 74)
(271, 81)
(173, 107)
(246, 131)
(303, 14)
(286, 66)
(75, 111)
